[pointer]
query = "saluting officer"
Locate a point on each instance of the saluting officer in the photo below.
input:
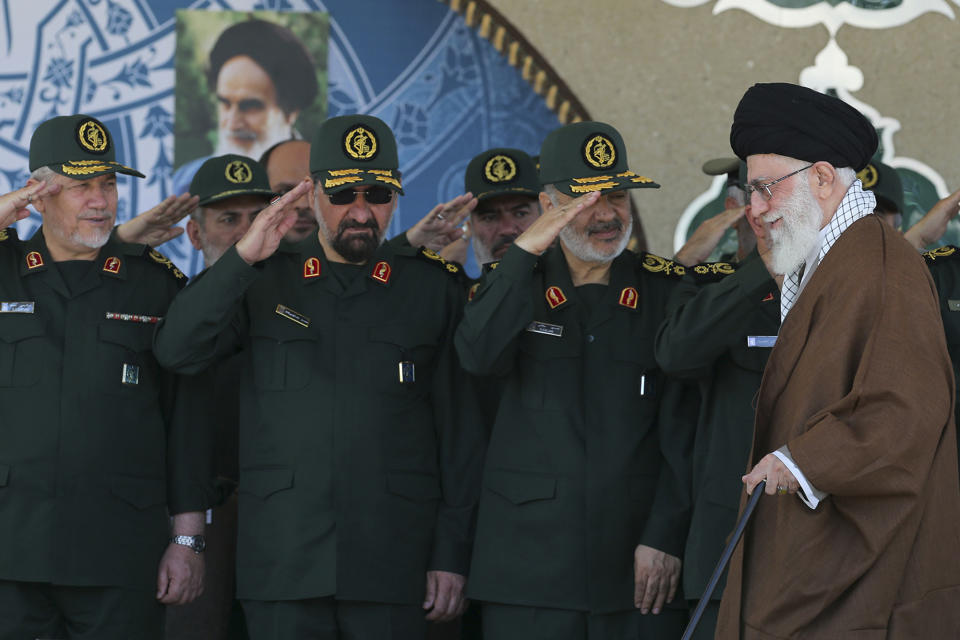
(94, 443)
(583, 510)
(359, 447)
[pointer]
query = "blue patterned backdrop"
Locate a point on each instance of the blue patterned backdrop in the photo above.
(447, 93)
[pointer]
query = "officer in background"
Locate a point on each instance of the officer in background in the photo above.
(96, 444)
(231, 191)
(360, 451)
(584, 505)
(721, 325)
(287, 164)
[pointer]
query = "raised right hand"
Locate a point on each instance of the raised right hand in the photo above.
(269, 226)
(540, 235)
(707, 236)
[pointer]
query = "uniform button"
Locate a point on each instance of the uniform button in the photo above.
(590, 338)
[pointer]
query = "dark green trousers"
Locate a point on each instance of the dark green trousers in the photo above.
(708, 621)
(39, 610)
(508, 622)
(330, 619)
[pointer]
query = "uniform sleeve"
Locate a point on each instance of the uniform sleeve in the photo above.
(701, 321)
(191, 462)
(487, 337)
(462, 443)
(669, 520)
(205, 322)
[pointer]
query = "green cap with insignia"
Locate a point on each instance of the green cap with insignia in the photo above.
(500, 172)
(79, 147)
(349, 151)
(229, 176)
(588, 156)
(885, 183)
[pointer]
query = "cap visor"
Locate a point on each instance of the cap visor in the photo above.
(347, 179)
(86, 169)
(516, 191)
(626, 180)
(233, 193)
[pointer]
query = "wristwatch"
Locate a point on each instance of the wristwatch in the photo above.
(197, 543)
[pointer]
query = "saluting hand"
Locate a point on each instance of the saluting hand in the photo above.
(158, 224)
(933, 225)
(441, 226)
(656, 575)
(456, 251)
(13, 205)
(540, 235)
(269, 226)
(707, 236)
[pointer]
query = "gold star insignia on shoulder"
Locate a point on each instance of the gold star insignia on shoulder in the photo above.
(662, 266)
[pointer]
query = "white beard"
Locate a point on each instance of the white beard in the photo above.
(579, 244)
(799, 231)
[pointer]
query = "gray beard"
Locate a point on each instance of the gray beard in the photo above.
(579, 244)
(799, 232)
(481, 253)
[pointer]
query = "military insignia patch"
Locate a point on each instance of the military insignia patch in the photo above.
(940, 252)
(133, 317)
(311, 268)
(472, 292)
(381, 272)
(499, 168)
(768, 298)
(869, 176)
(555, 297)
(238, 172)
(159, 258)
(628, 297)
(92, 137)
(662, 266)
(112, 265)
(599, 152)
(34, 260)
(360, 143)
(3, 235)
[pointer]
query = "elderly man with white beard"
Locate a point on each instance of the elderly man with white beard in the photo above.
(855, 411)
(585, 505)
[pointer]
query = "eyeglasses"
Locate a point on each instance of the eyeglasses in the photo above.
(764, 188)
(373, 195)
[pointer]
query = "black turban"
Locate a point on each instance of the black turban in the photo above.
(789, 120)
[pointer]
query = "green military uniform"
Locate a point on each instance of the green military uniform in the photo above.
(359, 448)
(588, 455)
(719, 331)
(94, 436)
(944, 265)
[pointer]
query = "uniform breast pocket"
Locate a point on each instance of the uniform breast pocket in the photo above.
(547, 364)
(283, 361)
(637, 372)
(126, 362)
(21, 350)
(401, 358)
(750, 358)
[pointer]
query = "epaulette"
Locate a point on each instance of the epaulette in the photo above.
(8, 233)
(711, 271)
(662, 266)
(432, 256)
(161, 259)
(490, 266)
(941, 253)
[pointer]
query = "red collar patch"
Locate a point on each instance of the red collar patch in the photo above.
(628, 297)
(555, 297)
(34, 260)
(311, 268)
(381, 272)
(112, 265)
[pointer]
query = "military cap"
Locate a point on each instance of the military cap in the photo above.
(230, 176)
(499, 172)
(885, 183)
(79, 147)
(734, 168)
(349, 151)
(588, 156)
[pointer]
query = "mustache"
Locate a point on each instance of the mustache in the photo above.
(502, 242)
(94, 213)
(354, 224)
(243, 134)
(600, 227)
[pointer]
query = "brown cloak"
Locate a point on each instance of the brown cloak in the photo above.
(860, 388)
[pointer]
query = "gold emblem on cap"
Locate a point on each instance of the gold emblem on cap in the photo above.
(599, 152)
(92, 137)
(869, 176)
(360, 143)
(238, 172)
(500, 168)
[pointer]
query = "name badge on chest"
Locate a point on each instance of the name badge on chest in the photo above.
(761, 341)
(16, 307)
(545, 328)
(407, 372)
(130, 374)
(293, 316)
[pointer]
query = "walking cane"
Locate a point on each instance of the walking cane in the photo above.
(724, 560)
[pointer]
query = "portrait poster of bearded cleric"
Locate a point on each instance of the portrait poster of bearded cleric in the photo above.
(244, 82)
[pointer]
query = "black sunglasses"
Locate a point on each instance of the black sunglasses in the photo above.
(373, 195)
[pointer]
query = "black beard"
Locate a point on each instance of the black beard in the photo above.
(357, 248)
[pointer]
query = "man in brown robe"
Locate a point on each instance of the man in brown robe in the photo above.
(854, 432)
